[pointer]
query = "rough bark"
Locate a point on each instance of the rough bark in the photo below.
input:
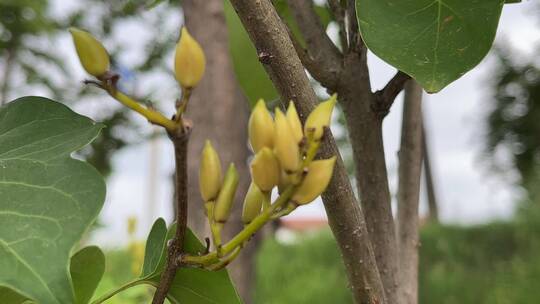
(365, 133)
(364, 112)
(220, 113)
(410, 170)
(276, 51)
(433, 209)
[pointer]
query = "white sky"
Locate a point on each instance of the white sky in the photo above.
(468, 191)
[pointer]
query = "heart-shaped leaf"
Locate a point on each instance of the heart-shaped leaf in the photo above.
(47, 199)
(87, 268)
(434, 41)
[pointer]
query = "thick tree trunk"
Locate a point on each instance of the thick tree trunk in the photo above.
(410, 170)
(365, 133)
(347, 74)
(433, 209)
(276, 51)
(220, 113)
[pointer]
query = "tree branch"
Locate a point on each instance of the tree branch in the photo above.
(339, 15)
(346, 219)
(385, 97)
(366, 138)
(410, 169)
(180, 141)
(319, 46)
(356, 44)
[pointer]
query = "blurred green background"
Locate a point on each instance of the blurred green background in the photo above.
(496, 263)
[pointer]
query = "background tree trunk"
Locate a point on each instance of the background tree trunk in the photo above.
(433, 209)
(410, 169)
(220, 113)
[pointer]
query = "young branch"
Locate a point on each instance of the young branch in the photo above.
(385, 97)
(346, 219)
(410, 169)
(319, 46)
(175, 248)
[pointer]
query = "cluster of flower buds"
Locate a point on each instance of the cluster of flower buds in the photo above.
(284, 152)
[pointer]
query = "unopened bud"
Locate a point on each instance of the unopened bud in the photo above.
(315, 182)
(265, 169)
(189, 61)
(260, 127)
(294, 121)
(252, 203)
(285, 144)
(320, 118)
(225, 199)
(91, 52)
(209, 173)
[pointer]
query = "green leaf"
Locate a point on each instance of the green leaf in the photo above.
(434, 41)
(9, 296)
(198, 286)
(155, 247)
(48, 200)
(87, 268)
(191, 285)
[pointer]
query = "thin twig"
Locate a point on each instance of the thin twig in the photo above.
(175, 249)
(385, 97)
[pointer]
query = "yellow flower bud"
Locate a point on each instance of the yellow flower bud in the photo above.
(225, 199)
(209, 173)
(92, 54)
(131, 225)
(260, 127)
(285, 145)
(252, 204)
(189, 61)
(265, 170)
(315, 182)
(294, 121)
(320, 118)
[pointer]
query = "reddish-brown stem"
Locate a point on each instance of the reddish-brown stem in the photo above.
(175, 248)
